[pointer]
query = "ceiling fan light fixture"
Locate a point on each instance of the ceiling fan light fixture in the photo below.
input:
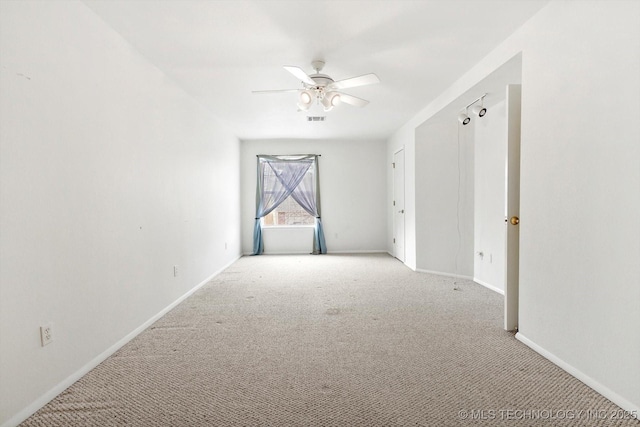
(330, 100)
(320, 89)
(326, 103)
(306, 99)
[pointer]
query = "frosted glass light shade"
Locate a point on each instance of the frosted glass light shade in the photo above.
(306, 99)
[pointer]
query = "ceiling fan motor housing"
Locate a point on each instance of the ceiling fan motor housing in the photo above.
(322, 81)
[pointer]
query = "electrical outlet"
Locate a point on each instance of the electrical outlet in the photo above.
(46, 334)
(175, 271)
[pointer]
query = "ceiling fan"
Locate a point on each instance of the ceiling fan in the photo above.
(323, 89)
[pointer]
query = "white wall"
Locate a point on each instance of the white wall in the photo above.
(353, 192)
(444, 197)
(580, 174)
(490, 141)
(110, 175)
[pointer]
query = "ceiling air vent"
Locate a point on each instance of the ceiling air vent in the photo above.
(316, 118)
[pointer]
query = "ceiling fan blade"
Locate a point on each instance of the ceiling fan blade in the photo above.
(366, 79)
(275, 91)
(352, 100)
(300, 74)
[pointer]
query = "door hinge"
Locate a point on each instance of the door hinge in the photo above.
(394, 203)
(393, 165)
(394, 240)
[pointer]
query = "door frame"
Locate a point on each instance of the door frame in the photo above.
(399, 172)
(512, 208)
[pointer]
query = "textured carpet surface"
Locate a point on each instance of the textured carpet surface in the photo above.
(333, 340)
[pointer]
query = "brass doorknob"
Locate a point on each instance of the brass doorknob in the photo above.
(515, 220)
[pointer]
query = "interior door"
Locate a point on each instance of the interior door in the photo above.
(512, 208)
(398, 205)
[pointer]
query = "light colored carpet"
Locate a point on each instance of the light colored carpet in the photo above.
(332, 340)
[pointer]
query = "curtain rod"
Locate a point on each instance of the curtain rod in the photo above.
(288, 155)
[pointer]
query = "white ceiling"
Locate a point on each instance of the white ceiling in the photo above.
(220, 50)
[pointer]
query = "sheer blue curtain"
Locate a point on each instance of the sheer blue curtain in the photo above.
(279, 177)
(307, 194)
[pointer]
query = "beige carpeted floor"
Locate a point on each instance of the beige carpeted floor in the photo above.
(333, 340)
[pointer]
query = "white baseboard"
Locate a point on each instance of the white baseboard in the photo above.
(374, 251)
(279, 253)
(571, 370)
(64, 384)
(307, 252)
(380, 251)
(488, 286)
(440, 273)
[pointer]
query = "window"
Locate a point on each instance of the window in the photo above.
(279, 177)
(290, 212)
